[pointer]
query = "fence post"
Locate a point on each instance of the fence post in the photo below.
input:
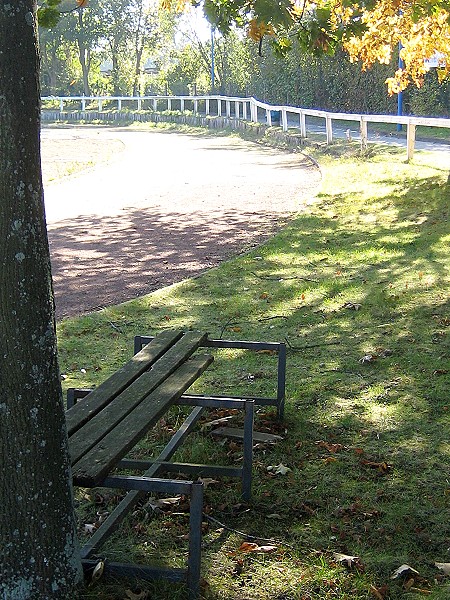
(302, 124)
(139, 104)
(284, 120)
(219, 107)
(83, 103)
(268, 118)
(61, 105)
(237, 111)
(100, 105)
(228, 108)
(363, 131)
(410, 140)
(329, 127)
(244, 110)
(169, 104)
(207, 107)
(155, 104)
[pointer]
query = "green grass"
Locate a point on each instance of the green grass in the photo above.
(366, 439)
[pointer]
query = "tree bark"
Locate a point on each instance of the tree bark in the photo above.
(39, 556)
(83, 54)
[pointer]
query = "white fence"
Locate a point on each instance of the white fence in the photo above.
(291, 117)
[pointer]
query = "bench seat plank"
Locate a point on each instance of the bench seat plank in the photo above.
(79, 414)
(104, 421)
(92, 468)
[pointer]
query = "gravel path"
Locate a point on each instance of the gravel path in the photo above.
(167, 206)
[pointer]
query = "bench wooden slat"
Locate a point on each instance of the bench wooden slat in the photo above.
(93, 468)
(79, 414)
(104, 421)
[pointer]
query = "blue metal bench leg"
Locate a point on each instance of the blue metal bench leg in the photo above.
(195, 540)
(248, 450)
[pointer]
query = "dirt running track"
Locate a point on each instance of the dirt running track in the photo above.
(167, 206)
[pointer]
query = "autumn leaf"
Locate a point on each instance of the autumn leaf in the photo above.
(382, 467)
(379, 593)
(252, 547)
(333, 448)
(139, 596)
(346, 559)
(403, 571)
(278, 469)
(444, 567)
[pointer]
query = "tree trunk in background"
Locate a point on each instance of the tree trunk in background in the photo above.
(83, 55)
(39, 556)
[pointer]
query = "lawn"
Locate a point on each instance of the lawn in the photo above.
(358, 287)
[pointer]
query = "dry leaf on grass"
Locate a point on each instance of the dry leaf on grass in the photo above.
(444, 567)
(403, 571)
(333, 448)
(346, 559)
(139, 596)
(97, 572)
(252, 547)
(379, 593)
(278, 469)
(352, 306)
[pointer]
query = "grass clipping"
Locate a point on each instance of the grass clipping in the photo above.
(358, 287)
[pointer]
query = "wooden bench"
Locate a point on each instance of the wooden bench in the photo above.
(112, 418)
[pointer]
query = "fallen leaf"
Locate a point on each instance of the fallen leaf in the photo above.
(264, 296)
(420, 591)
(140, 596)
(352, 306)
(402, 571)
(252, 547)
(248, 547)
(268, 549)
(346, 559)
(333, 448)
(160, 503)
(207, 481)
(383, 467)
(368, 358)
(379, 593)
(98, 571)
(278, 469)
(444, 567)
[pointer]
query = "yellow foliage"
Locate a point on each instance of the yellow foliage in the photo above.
(257, 30)
(391, 25)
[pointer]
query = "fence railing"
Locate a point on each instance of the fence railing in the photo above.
(290, 117)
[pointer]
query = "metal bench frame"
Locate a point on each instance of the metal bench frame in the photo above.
(278, 347)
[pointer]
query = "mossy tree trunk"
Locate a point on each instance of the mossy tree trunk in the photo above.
(39, 556)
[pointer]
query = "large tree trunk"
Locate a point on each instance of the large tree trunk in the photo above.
(39, 555)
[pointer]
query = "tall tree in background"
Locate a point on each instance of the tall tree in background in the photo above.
(39, 555)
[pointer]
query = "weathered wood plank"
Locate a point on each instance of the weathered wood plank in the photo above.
(104, 421)
(90, 470)
(79, 414)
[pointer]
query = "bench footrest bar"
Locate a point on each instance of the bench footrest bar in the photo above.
(138, 571)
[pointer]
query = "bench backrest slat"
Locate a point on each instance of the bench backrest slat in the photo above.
(79, 414)
(85, 438)
(90, 470)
